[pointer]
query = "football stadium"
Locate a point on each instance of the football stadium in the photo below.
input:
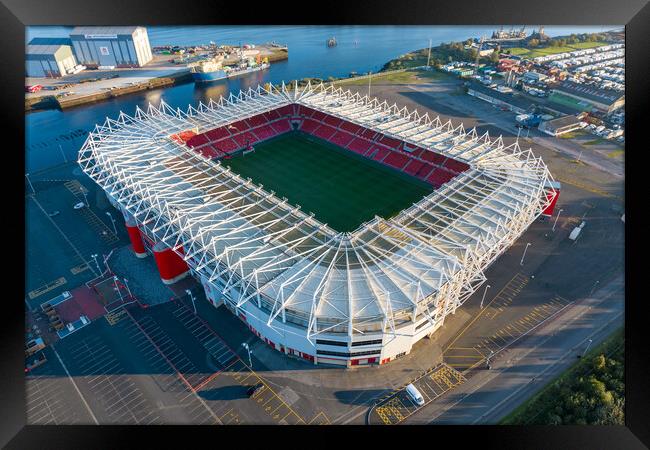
(340, 229)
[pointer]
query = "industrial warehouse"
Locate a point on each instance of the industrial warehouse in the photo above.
(305, 288)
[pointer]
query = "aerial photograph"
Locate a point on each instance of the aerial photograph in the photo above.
(324, 225)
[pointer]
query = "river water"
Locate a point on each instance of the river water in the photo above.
(51, 134)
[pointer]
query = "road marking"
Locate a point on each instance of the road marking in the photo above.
(75, 386)
(484, 309)
(47, 288)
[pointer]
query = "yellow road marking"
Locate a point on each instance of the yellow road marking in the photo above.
(480, 313)
(46, 288)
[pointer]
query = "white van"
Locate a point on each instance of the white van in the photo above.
(415, 395)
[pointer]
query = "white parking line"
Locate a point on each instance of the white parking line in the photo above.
(75, 386)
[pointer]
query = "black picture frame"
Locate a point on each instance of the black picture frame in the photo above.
(16, 14)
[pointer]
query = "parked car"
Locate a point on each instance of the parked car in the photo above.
(251, 391)
(34, 88)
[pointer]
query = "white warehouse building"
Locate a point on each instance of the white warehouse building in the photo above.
(345, 298)
(49, 60)
(126, 46)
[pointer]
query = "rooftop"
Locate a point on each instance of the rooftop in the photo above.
(604, 96)
(128, 30)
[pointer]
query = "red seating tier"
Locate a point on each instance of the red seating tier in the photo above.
(226, 145)
(368, 134)
(440, 177)
(397, 160)
(265, 132)
(413, 167)
(333, 121)
(324, 132)
(433, 157)
(456, 166)
(381, 153)
(309, 126)
(284, 111)
(341, 139)
(319, 116)
(281, 126)
(197, 140)
(350, 127)
(359, 145)
(390, 142)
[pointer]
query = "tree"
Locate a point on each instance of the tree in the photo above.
(494, 57)
(533, 43)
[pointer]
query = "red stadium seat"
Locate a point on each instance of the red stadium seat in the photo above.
(318, 116)
(341, 138)
(217, 133)
(390, 142)
(433, 157)
(256, 121)
(284, 111)
(265, 132)
(359, 145)
(368, 134)
(350, 127)
(333, 121)
(440, 177)
(456, 166)
(381, 153)
(281, 126)
(226, 146)
(324, 132)
(397, 160)
(196, 141)
(309, 126)
(413, 167)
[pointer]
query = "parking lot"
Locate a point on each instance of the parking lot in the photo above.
(399, 405)
(62, 239)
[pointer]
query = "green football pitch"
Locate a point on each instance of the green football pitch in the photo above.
(341, 188)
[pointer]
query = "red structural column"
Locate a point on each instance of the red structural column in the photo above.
(136, 239)
(553, 192)
(171, 266)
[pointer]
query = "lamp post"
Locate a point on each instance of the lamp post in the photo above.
(94, 257)
(487, 361)
(521, 263)
(188, 292)
(579, 156)
(117, 287)
(126, 284)
(248, 349)
(556, 217)
(369, 81)
(65, 160)
(487, 286)
(594, 287)
(30, 183)
(113, 222)
(586, 348)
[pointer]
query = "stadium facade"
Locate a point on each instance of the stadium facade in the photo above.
(350, 298)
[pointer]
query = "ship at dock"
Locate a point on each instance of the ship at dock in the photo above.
(215, 68)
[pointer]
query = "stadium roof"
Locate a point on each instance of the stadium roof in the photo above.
(297, 269)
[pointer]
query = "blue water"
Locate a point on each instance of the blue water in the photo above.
(360, 49)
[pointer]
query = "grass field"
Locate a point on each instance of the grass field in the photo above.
(406, 77)
(535, 52)
(341, 188)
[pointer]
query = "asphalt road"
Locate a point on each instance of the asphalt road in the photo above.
(528, 367)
